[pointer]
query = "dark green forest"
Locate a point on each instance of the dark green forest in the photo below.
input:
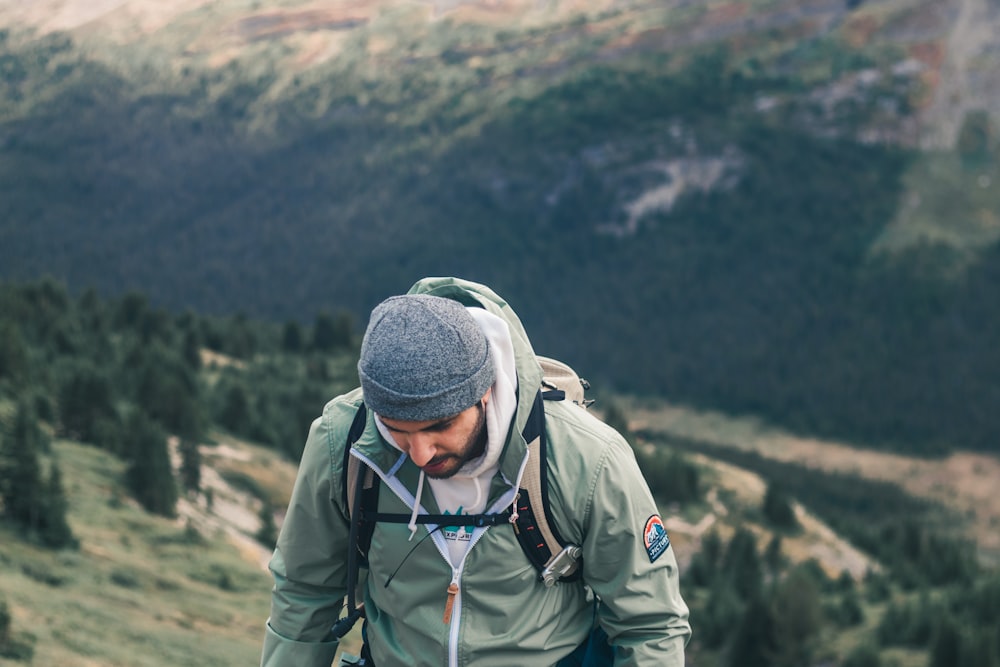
(123, 376)
(142, 384)
(758, 297)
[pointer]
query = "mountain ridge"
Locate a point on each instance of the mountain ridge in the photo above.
(726, 203)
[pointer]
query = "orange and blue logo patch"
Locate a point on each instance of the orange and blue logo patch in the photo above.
(655, 537)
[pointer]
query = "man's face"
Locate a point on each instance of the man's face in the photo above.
(440, 447)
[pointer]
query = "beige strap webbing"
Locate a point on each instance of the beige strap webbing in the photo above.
(531, 481)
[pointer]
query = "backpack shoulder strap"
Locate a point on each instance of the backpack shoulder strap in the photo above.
(555, 558)
(357, 494)
(352, 467)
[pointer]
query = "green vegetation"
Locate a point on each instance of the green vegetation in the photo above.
(9, 646)
(123, 376)
(805, 285)
(917, 539)
(758, 295)
(93, 393)
(930, 599)
(136, 573)
(671, 477)
(798, 616)
(78, 367)
(30, 499)
(777, 508)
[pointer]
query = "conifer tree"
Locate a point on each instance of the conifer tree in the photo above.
(9, 647)
(676, 478)
(752, 644)
(91, 311)
(981, 648)
(865, 655)
(722, 613)
(267, 534)
(35, 504)
(5, 621)
(773, 557)
(742, 564)
(20, 470)
(849, 611)
(86, 399)
(13, 352)
(705, 564)
(150, 477)
(167, 389)
(191, 349)
(331, 333)
(291, 337)
(241, 340)
(234, 413)
(946, 647)
(190, 464)
(55, 530)
(130, 310)
(777, 508)
(797, 618)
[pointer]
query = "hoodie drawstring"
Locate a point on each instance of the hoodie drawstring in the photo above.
(416, 507)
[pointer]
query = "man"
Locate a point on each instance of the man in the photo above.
(449, 378)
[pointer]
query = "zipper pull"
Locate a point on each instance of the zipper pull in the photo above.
(452, 592)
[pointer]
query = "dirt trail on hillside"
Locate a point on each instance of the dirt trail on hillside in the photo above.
(964, 482)
(233, 512)
(815, 541)
(972, 36)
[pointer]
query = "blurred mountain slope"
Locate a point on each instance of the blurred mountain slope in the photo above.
(775, 207)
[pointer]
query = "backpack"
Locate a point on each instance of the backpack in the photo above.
(554, 557)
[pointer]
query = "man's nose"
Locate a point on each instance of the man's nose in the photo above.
(420, 448)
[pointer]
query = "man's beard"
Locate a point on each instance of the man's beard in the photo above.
(474, 447)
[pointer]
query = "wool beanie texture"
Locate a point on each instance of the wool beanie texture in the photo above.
(423, 358)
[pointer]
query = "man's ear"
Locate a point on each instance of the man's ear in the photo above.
(486, 397)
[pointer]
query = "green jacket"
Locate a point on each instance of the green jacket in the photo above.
(502, 615)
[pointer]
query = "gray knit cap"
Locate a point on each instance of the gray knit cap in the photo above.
(423, 357)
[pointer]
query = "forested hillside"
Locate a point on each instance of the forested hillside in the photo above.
(727, 205)
(114, 414)
(106, 502)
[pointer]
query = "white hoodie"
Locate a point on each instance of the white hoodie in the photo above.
(466, 491)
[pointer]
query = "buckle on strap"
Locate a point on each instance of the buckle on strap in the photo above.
(562, 564)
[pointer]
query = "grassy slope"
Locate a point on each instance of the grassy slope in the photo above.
(949, 200)
(139, 592)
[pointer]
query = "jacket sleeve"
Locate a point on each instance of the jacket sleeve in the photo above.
(309, 562)
(636, 581)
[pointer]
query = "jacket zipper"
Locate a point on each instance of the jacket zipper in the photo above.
(453, 602)
(453, 606)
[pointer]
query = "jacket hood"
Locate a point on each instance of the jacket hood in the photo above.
(529, 373)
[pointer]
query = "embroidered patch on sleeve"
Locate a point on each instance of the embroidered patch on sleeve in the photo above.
(655, 537)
